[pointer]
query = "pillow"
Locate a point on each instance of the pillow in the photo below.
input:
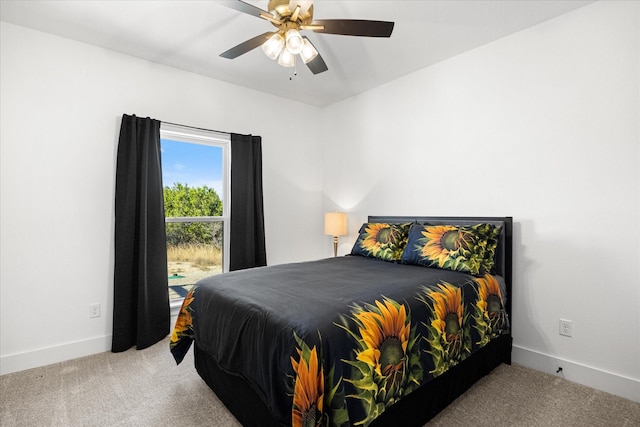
(492, 234)
(381, 240)
(470, 249)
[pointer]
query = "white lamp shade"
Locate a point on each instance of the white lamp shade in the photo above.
(287, 59)
(294, 41)
(273, 46)
(308, 52)
(335, 223)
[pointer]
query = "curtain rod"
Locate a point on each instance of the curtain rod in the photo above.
(195, 127)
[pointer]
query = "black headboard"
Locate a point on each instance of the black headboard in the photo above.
(503, 252)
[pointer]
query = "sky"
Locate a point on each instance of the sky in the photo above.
(192, 164)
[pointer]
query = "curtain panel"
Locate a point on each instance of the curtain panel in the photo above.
(247, 241)
(141, 314)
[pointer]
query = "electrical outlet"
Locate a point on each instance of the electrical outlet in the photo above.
(94, 310)
(566, 327)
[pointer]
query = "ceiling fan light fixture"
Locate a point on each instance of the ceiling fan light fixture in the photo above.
(273, 46)
(290, 17)
(287, 59)
(308, 52)
(294, 41)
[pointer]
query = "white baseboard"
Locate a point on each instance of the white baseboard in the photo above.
(599, 379)
(610, 382)
(46, 356)
(60, 353)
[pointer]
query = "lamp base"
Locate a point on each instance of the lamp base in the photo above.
(335, 246)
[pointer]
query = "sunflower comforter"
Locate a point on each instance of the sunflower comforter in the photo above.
(340, 339)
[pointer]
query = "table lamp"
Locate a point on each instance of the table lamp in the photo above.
(335, 224)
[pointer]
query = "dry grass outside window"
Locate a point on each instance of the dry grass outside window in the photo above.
(201, 256)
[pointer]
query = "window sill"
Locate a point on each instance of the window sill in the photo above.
(174, 306)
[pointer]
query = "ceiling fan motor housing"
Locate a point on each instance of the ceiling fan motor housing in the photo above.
(280, 10)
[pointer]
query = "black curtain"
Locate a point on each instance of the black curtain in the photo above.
(141, 315)
(247, 243)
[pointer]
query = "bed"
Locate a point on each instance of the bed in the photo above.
(388, 335)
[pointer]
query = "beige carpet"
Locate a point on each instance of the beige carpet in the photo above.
(146, 388)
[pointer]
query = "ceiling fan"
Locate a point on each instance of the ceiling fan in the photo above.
(291, 16)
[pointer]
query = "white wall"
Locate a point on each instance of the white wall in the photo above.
(542, 126)
(61, 104)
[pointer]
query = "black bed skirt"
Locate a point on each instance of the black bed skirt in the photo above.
(413, 410)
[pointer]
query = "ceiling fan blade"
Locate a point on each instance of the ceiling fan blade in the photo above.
(245, 47)
(317, 64)
(250, 9)
(354, 27)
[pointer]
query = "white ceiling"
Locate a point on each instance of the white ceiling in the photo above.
(190, 35)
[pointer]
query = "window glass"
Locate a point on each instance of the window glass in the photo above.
(195, 180)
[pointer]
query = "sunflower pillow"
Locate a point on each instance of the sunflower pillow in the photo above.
(470, 249)
(381, 240)
(492, 234)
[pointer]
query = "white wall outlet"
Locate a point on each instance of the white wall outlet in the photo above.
(566, 327)
(94, 310)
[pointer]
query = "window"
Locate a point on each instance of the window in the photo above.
(196, 179)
